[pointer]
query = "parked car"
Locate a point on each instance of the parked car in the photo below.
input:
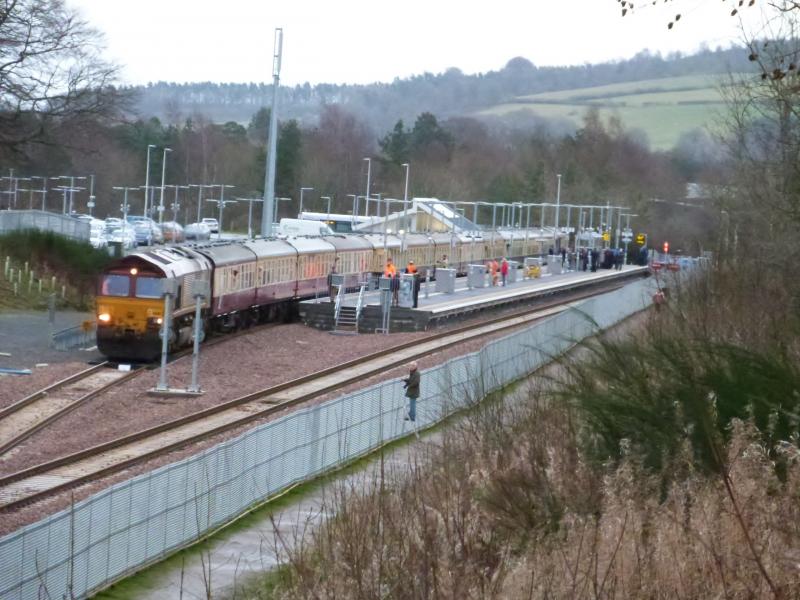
(213, 224)
(146, 230)
(172, 231)
(97, 231)
(197, 231)
(113, 223)
(124, 236)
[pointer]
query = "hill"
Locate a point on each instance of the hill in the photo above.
(662, 108)
(635, 87)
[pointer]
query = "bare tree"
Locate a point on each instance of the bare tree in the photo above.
(51, 73)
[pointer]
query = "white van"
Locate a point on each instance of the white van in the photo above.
(303, 227)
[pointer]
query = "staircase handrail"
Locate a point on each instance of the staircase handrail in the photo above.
(338, 306)
(360, 303)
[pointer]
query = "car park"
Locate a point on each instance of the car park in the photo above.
(197, 231)
(173, 232)
(213, 224)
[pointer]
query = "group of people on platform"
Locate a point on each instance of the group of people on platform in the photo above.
(390, 272)
(498, 270)
(592, 259)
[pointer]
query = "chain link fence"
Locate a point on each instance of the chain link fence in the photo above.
(14, 220)
(81, 336)
(113, 533)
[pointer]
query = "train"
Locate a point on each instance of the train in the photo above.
(258, 280)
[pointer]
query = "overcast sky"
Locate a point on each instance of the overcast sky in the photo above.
(360, 41)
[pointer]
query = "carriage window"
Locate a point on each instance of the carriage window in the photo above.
(148, 287)
(115, 285)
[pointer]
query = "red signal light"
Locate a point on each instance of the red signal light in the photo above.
(666, 247)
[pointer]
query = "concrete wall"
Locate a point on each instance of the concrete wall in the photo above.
(15, 220)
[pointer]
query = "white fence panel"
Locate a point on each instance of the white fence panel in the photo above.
(106, 536)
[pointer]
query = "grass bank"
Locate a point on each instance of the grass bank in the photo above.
(41, 263)
(661, 464)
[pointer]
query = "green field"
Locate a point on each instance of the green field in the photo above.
(662, 108)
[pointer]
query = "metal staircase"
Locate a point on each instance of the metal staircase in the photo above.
(346, 317)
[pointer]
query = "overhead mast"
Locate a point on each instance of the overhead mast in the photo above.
(272, 143)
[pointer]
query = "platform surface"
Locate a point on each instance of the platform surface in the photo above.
(438, 303)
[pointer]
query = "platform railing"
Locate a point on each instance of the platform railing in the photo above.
(360, 302)
(337, 307)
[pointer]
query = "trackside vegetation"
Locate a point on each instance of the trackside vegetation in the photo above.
(74, 264)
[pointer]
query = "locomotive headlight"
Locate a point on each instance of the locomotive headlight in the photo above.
(159, 320)
(104, 317)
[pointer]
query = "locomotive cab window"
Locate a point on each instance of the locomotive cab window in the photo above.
(115, 285)
(148, 287)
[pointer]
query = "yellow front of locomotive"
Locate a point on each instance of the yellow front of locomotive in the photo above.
(130, 310)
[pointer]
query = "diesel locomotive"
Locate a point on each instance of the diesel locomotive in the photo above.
(257, 280)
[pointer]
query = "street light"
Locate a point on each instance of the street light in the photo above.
(407, 167)
(175, 205)
(328, 198)
(366, 196)
(355, 207)
(277, 206)
(147, 178)
(221, 202)
(163, 178)
(200, 187)
(250, 213)
(303, 189)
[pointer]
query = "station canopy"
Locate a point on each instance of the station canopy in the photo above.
(423, 215)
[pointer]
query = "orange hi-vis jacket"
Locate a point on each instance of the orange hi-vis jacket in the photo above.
(411, 268)
(389, 270)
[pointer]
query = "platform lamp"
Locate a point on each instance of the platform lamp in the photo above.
(303, 189)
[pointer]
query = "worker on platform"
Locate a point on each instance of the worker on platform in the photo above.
(332, 272)
(411, 268)
(504, 270)
(495, 271)
(389, 270)
(411, 384)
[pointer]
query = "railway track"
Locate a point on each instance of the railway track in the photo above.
(42, 480)
(22, 419)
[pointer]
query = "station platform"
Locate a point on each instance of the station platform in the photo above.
(436, 308)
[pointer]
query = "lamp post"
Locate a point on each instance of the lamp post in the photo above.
(200, 187)
(328, 198)
(163, 178)
(627, 227)
(221, 202)
(407, 167)
(366, 196)
(175, 204)
(303, 189)
(250, 213)
(355, 207)
(277, 206)
(124, 206)
(147, 178)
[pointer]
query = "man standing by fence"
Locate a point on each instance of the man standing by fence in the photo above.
(411, 384)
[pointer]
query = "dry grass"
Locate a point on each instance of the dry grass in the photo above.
(508, 502)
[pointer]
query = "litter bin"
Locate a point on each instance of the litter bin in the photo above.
(446, 280)
(513, 266)
(405, 296)
(476, 276)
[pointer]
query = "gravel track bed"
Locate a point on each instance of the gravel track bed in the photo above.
(39, 510)
(229, 370)
(246, 364)
(15, 387)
